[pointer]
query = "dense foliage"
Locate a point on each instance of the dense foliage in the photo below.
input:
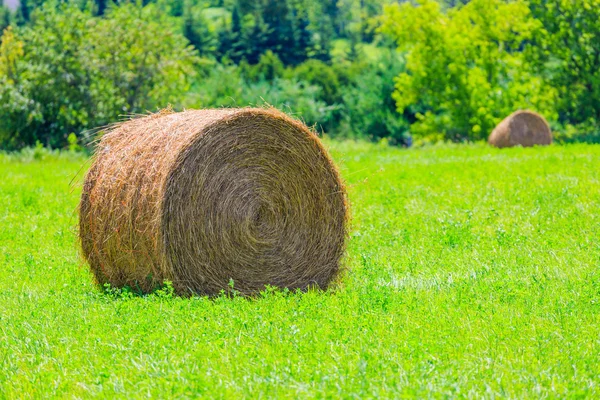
(67, 71)
(353, 68)
(470, 66)
(464, 67)
(567, 54)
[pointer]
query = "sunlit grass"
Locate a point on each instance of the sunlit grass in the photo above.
(472, 272)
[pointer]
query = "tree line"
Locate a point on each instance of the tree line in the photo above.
(423, 71)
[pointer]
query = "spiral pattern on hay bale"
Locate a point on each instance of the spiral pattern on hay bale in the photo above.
(522, 128)
(205, 197)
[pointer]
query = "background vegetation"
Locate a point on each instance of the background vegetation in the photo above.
(423, 70)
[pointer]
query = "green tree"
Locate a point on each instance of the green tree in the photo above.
(268, 68)
(280, 27)
(77, 71)
(11, 51)
(254, 39)
(370, 109)
(101, 6)
(15, 108)
(316, 72)
(26, 8)
(5, 16)
(231, 38)
(567, 52)
(138, 51)
(324, 36)
(464, 67)
(303, 37)
(198, 30)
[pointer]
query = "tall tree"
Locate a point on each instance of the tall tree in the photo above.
(197, 30)
(101, 6)
(567, 52)
(255, 39)
(464, 66)
(5, 17)
(303, 37)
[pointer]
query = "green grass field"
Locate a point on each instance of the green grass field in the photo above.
(472, 272)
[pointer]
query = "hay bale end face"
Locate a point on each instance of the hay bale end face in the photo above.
(203, 197)
(522, 128)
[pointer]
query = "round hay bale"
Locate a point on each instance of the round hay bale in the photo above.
(203, 197)
(522, 128)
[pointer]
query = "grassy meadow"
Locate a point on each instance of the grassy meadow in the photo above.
(472, 272)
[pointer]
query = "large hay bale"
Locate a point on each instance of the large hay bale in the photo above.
(203, 197)
(522, 128)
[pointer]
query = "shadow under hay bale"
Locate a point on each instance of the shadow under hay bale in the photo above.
(522, 128)
(203, 197)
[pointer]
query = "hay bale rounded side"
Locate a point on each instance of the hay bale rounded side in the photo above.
(203, 197)
(522, 128)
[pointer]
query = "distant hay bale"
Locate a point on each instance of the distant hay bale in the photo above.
(524, 128)
(204, 197)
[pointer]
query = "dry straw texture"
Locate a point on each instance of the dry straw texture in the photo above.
(522, 128)
(203, 197)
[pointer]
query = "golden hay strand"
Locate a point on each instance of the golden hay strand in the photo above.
(203, 197)
(522, 128)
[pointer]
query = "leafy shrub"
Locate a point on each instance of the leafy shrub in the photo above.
(196, 28)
